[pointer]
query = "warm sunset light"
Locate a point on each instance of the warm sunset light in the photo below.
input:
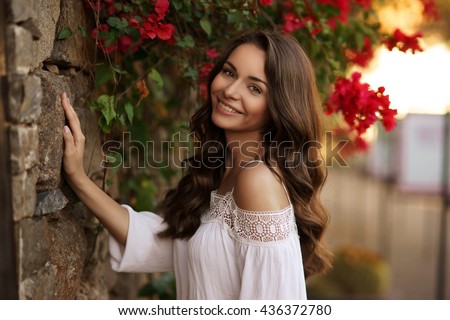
(416, 83)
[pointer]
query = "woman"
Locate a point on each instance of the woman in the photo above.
(231, 228)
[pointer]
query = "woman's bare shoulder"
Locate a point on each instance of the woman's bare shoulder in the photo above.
(257, 188)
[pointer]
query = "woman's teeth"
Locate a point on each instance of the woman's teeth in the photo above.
(227, 108)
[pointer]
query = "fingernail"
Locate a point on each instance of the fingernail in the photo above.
(64, 95)
(66, 129)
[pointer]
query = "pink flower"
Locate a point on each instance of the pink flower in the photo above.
(212, 53)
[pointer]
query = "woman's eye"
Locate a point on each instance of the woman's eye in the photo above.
(255, 89)
(228, 72)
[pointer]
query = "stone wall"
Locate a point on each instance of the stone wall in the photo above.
(62, 251)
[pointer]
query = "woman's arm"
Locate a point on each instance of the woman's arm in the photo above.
(112, 215)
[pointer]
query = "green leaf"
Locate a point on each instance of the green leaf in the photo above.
(206, 25)
(156, 77)
(103, 74)
(65, 33)
(117, 23)
(82, 30)
(191, 72)
(114, 160)
(187, 41)
(102, 124)
(129, 109)
(336, 65)
(105, 103)
(122, 120)
(177, 4)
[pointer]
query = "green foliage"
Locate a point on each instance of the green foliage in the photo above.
(161, 287)
(65, 33)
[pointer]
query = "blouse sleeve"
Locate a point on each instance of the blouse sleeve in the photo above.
(145, 251)
(269, 255)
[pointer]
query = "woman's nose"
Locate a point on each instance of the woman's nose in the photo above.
(232, 90)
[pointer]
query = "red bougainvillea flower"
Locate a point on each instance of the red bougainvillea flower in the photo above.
(161, 8)
(343, 7)
(212, 53)
(354, 143)
(291, 22)
(153, 27)
(265, 2)
(203, 78)
(124, 43)
(403, 42)
(133, 23)
(360, 105)
(165, 31)
(430, 10)
(363, 57)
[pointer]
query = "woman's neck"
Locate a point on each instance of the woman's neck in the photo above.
(242, 148)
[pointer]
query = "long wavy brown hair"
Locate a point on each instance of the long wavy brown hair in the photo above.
(291, 139)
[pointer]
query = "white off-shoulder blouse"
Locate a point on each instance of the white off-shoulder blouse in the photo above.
(234, 254)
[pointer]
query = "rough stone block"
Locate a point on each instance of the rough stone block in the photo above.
(47, 12)
(25, 95)
(73, 51)
(24, 142)
(68, 253)
(50, 124)
(24, 194)
(50, 201)
(21, 11)
(41, 285)
(20, 58)
(35, 240)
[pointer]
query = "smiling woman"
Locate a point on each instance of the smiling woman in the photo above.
(239, 95)
(232, 231)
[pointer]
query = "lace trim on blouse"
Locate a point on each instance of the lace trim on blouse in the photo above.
(257, 227)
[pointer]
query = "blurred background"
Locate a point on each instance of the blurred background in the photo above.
(389, 207)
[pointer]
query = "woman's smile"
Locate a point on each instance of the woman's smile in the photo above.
(224, 108)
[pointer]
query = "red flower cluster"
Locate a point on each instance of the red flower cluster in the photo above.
(360, 105)
(403, 42)
(205, 69)
(265, 2)
(129, 27)
(293, 22)
(363, 57)
(152, 25)
(430, 10)
(354, 143)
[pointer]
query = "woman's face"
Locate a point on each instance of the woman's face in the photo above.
(239, 93)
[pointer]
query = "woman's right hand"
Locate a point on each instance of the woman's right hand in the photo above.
(74, 141)
(112, 215)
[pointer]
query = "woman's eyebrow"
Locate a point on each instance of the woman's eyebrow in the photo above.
(232, 66)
